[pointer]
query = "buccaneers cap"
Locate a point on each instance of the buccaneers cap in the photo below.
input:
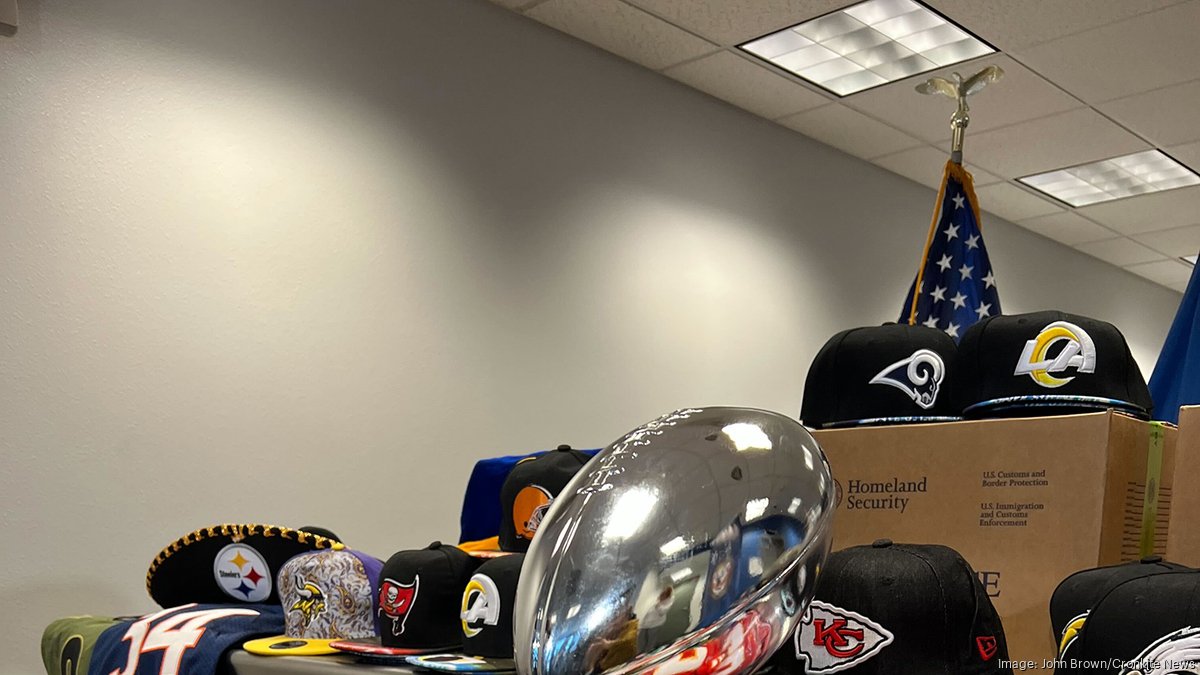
(889, 374)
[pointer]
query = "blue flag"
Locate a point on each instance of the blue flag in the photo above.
(954, 286)
(1176, 378)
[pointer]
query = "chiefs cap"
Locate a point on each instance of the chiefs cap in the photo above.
(485, 620)
(1077, 594)
(417, 602)
(528, 491)
(231, 563)
(326, 596)
(889, 374)
(1145, 625)
(1047, 363)
(892, 609)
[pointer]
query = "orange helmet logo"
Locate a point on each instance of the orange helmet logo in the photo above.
(529, 508)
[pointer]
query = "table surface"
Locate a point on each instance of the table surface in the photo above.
(245, 663)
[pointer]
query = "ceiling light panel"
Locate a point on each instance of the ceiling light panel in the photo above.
(1116, 178)
(868, 44)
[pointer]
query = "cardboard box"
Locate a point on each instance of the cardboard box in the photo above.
(1183, 544)
(1026, 501)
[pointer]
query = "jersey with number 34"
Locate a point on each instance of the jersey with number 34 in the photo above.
(189, 639)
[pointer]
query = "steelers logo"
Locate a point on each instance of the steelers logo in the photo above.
(529, 508)
(480, 605)
(242, 574)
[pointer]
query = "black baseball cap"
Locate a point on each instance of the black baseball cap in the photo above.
(529, 490)
(897, 609)
(1149, 624)
(1077, 594)
(417, 604)
(889, 374)
(486, 620)
(1047, 363)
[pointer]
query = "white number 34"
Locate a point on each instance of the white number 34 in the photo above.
(174, 636)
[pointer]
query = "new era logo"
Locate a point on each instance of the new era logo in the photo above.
(832, 639)
(987, 647)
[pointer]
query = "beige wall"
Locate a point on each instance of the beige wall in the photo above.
(302, 261)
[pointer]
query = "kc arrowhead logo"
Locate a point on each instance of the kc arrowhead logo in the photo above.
(832, 639)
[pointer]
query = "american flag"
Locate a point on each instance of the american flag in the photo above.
(954, 286)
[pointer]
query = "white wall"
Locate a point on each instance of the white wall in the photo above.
(299, 261)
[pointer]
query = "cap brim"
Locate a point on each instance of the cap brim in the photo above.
(1038, 405)
(460, 663)
(283, 645)
(885, 421)
(376, 649)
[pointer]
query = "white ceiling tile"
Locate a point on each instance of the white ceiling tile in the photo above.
(622, 29)
(1188, 154)
(1062, 140)
(1012, 25)
(1176, 242)
(1164, 116)
(732, 22)
(1147, 213)
(1068, 228)
(1022, 95)
(924, 164)
(1139, 54)
(1171, 273)
(1012, 203)
(849, 131)
(746, 84)
(1120, 251)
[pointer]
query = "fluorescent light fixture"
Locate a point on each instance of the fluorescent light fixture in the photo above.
(1190, 259)
(1116, 178)
(868, 44)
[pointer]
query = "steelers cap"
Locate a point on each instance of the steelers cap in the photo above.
(529, 490)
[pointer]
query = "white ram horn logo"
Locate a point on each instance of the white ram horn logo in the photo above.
(1172, 654)
(919, 376)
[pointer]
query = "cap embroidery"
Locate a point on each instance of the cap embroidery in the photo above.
(480, 605)
(311, 600)
(919, 376)
(396, 600)
(529, 508)
(831, 639)
(1179, 651)
(987, 646)
(1078, 352)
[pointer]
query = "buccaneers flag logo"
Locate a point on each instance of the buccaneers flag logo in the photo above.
(396, 599)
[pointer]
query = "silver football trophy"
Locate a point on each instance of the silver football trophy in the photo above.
(959, 90)
(695, 537)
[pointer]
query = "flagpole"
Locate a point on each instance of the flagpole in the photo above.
(959, 90)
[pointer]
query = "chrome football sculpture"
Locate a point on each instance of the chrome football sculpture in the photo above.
(690, 545)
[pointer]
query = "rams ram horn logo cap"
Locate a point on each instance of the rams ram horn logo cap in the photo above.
(1047, 363)
(530, 489)
(897, 608)
(889, 374)
(325, 596)
(1144, 625)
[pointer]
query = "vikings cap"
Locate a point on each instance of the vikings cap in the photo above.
(1077, 594)
(1148, 624)
(485, 619)
(1047, 363)
(889, 374)
(232, 563)
(528, 491)
(416, 608)
(325, 596)
(893, 609)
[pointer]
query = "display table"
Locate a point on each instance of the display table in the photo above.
(245, 663)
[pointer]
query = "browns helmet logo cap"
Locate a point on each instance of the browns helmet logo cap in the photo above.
(528, 494)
